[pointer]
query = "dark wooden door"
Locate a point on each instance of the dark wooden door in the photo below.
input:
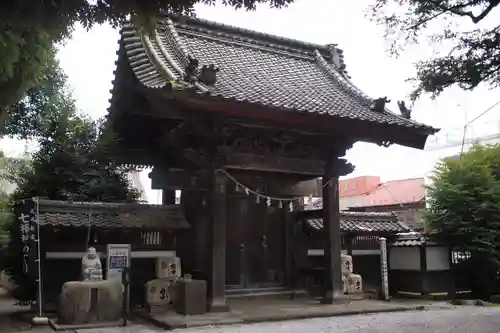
(237, 225)
(255, 232)
(265, 245)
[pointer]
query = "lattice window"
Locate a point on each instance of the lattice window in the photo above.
(151, 238)
(365, 242)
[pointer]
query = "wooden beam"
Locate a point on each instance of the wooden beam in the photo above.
(176, 179)
(245, 161)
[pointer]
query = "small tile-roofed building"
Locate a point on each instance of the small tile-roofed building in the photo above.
(68, 228)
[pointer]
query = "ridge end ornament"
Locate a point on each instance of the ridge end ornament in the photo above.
(404, 110)
(191, 70)
(379, 104)
(208, 74)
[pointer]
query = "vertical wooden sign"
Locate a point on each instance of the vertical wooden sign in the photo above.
(383, 266)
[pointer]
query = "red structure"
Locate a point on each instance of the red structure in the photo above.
(358, 186)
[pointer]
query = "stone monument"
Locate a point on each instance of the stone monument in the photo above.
(170, 291)
(161, 292)
(353, 283)
(92, 300)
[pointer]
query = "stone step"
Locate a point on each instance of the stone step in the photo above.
(268, 293)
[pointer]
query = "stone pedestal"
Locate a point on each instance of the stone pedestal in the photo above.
(88, 302)
(192, 297)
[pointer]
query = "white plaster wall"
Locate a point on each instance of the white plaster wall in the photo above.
(352, 201)
(404, 258)
(437, 258)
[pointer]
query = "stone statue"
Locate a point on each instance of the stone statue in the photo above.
(91, 266)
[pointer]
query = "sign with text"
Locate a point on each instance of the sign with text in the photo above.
(117, 259)
(27, 219)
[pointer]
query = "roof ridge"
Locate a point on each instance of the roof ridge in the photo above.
(233, 40)
(178, 44)
(401, 180)
(345, 83)
(252, 33)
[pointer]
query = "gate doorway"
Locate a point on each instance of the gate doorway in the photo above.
(254, 244)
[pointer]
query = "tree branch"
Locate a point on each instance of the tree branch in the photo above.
(457, 10)
(424, 21)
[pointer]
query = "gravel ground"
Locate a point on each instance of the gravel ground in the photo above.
(459, 320)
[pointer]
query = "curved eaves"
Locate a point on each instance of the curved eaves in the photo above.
(182, 52)
(144, 59)
(352, 90)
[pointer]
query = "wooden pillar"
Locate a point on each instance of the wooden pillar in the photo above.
(217, 283)
(288, 219)
(333, 290)
(168, 197)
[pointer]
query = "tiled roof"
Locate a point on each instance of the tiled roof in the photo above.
(254, 68)
(411, 239)
(364, 223)
(107, 215)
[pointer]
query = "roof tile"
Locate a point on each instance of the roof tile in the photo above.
(365, 223)
(254, 68)
(107, 215)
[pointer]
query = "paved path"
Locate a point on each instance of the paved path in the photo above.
(459, 320)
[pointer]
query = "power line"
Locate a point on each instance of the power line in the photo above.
(470, 122)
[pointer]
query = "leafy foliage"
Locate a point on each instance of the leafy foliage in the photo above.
(25, 55)
(30, 29)
(26, 117)
(74, 162)
(475, 53)
(7, 165)
(464, 208)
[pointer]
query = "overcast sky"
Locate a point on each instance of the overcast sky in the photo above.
(88, 59)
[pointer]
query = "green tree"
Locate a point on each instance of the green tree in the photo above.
(464, 210)
(7, 165)
(74, 161)
(30, 29)
(474, 55)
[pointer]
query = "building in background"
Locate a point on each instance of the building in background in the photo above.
(136, 182)
(405, 198)
(353, 191)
